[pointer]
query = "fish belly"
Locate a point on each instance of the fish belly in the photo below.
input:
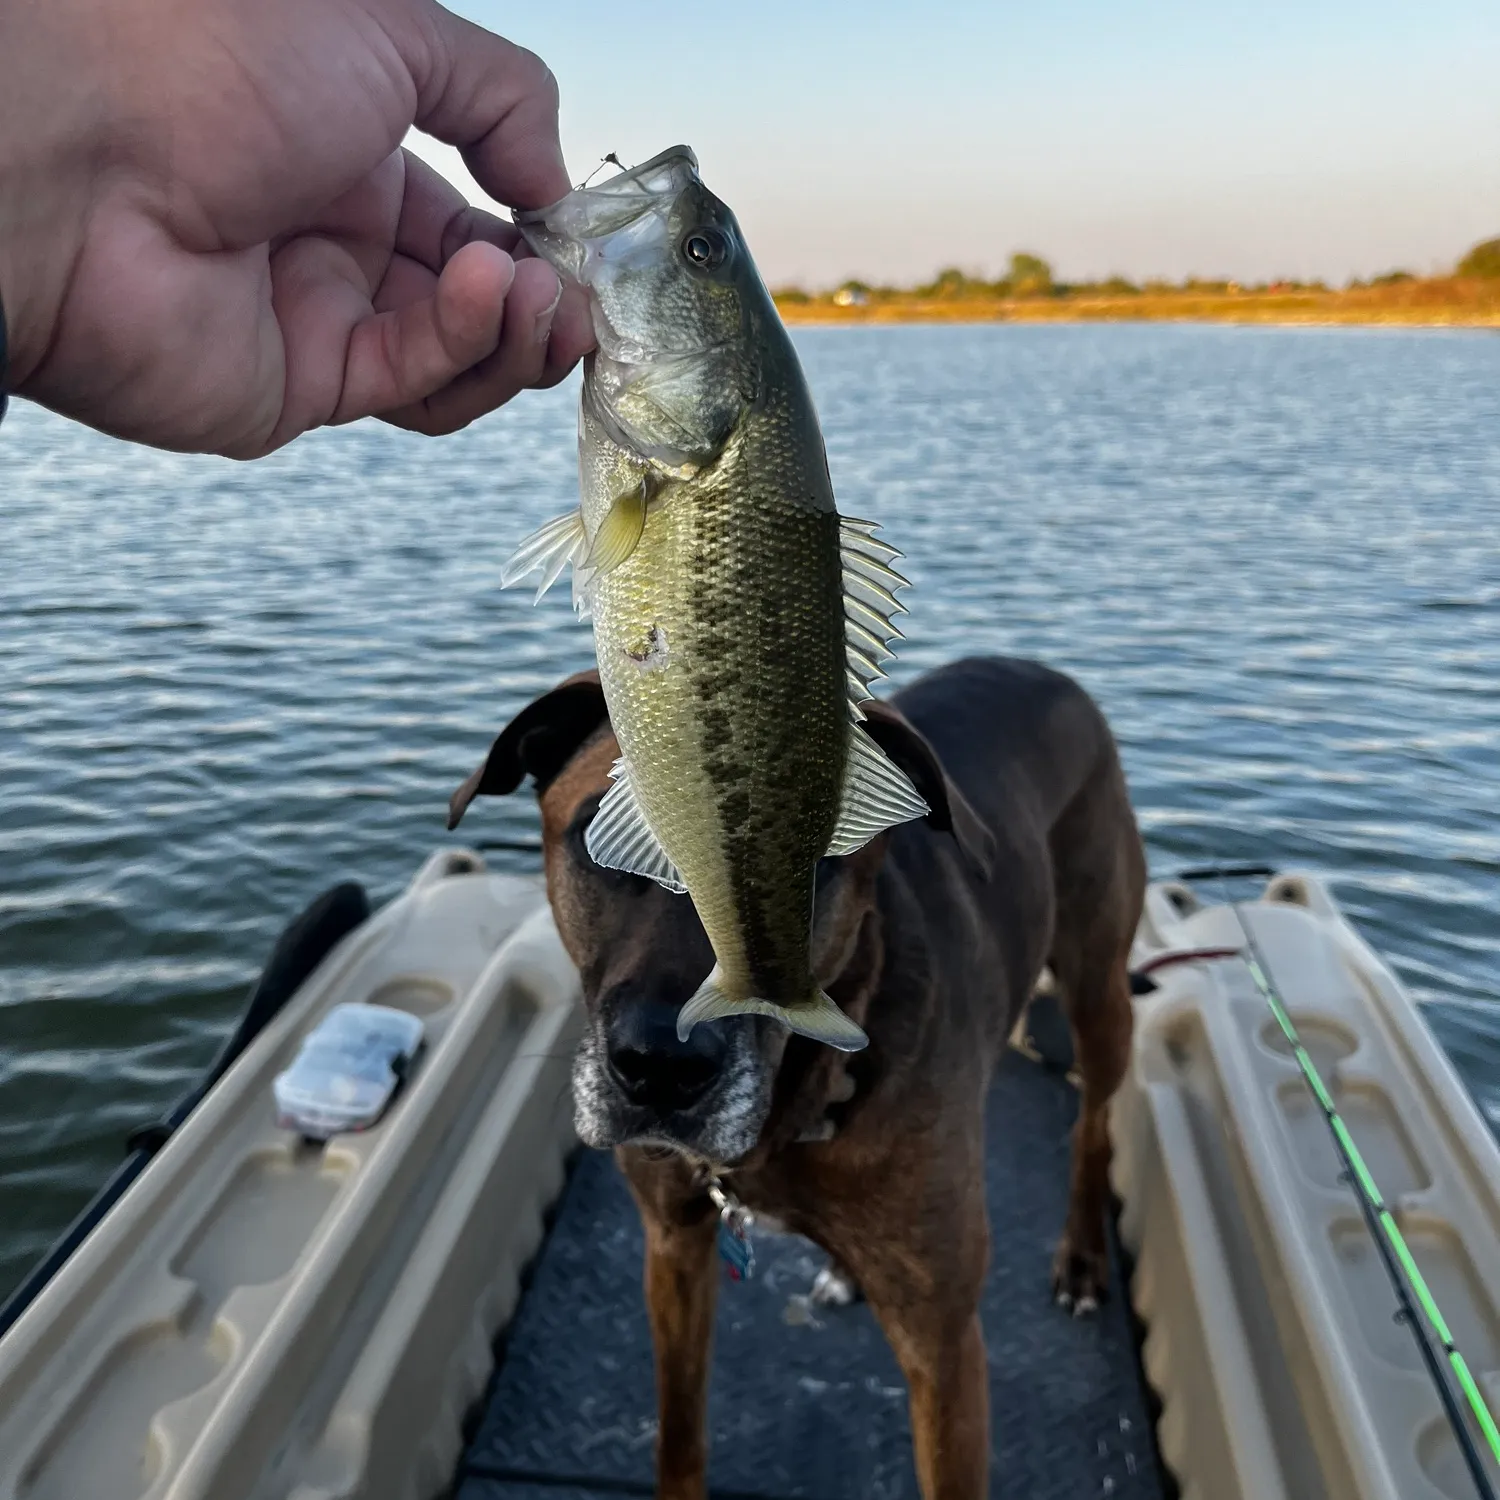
(720, 643)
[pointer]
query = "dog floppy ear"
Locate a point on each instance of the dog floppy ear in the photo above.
(950, 811)
(539, 741)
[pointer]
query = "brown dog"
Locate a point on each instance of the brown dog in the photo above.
(932, 937)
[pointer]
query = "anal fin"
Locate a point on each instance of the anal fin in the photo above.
(619, 838)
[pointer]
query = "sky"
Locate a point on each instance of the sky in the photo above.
(1281, 138)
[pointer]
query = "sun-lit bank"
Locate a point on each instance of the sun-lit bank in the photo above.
(1029, 293)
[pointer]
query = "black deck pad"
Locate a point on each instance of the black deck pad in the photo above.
(810, 1402)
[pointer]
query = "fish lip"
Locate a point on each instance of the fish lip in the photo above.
(537, 228)
(683, 152)
(628, 355)
(585, 228)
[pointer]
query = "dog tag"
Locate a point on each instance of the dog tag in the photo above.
(735, 1249)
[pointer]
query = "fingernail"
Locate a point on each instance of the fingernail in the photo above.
(544, 318)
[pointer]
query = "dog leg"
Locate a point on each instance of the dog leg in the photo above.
(948, 1383)
(1100, 1015)
(950, 1416)
(680, 1292)
(1099, 868)
(926, 1295)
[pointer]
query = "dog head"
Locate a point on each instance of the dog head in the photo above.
(641, 950)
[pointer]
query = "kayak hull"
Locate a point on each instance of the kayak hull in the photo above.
(263, 1316)
(1271, 1340)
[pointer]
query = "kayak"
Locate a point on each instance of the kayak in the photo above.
(250, 1312)
(258, 1315)
(1276, 1343)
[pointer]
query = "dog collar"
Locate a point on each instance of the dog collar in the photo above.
(733, 1238)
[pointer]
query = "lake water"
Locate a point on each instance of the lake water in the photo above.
(1270, 554)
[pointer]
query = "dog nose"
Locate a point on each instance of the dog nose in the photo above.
(650, 1065)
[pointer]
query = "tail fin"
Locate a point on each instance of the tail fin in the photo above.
(817, 1017)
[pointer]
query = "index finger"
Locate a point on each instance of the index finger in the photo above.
(493, 100)
(437, 221)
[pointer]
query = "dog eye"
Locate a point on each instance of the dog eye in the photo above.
(577, 837)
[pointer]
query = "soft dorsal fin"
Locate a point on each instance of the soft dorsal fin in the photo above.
(878, 794)
(870, 605)
(619, 838)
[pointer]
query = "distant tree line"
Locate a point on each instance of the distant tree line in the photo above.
(1031, 276)
(1482, 260)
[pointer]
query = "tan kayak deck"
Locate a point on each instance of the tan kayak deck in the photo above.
(809, 1402)
(1272, 1332)
(259, 1318)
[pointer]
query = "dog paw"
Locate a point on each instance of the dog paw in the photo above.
(833, 1287)
(1079, 1279)
(842, 1087)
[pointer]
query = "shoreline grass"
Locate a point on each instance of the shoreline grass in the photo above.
(1446, 302)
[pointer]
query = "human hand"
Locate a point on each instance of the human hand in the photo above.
(210, 239)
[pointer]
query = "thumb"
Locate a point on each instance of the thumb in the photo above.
(493, 100)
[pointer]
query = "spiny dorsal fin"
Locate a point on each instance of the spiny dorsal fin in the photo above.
(870, 604)
(619, 837)
(877, 795)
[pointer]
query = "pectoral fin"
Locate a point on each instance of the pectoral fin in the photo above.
(818, 1017)
(619, 531)
(877, 795)
(619, 838)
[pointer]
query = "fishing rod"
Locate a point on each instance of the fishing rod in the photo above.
(1405, 1276)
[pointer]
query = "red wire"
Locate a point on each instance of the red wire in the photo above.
(1185, 956)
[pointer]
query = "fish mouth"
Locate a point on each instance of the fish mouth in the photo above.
(601, 230)
(592, 210)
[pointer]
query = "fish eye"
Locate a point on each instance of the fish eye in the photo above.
(705, 248)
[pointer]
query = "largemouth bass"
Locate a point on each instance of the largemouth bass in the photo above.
(738, 619)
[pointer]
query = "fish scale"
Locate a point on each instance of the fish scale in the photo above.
(738, 619)
(755, 658)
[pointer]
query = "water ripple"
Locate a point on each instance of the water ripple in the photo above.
(1268, 553)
